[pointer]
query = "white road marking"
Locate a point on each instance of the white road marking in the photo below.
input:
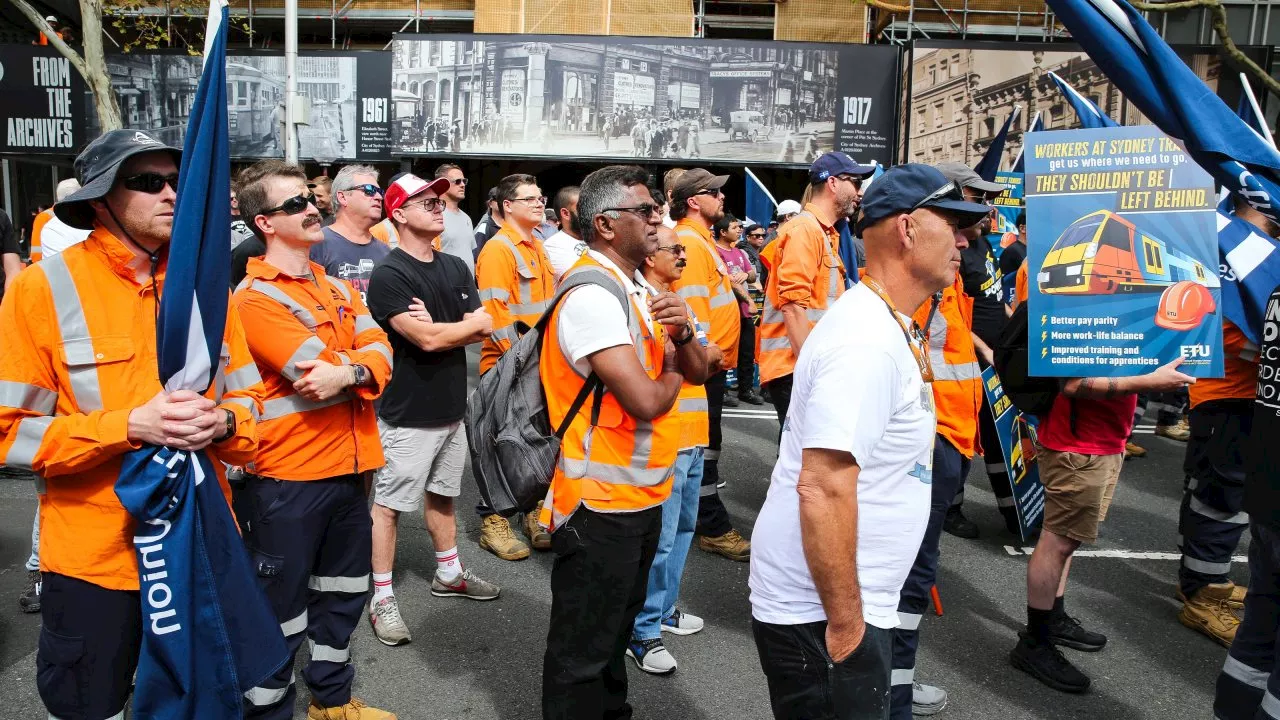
(1121, 554)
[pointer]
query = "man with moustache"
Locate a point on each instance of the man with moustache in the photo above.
(323, 361)
(697, 204)
(420, 417)
(808, 276)
(349, 250)
(849, 497)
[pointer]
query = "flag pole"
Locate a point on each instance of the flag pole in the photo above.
(762, 186)
(1257, 111)
(291, 79)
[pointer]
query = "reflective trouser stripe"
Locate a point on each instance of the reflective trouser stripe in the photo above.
(708, 490)
(324, 653)
(304, 315)
(27, 441)
(1270, 705)
(365, 322)
(117, 716)
(31, 398)
(902, 677)
(291, 404)
(908, 621)
(321, 583)
(261, 696)
(294, 626)
(1005, 502)
(1205, 567)
(1199, 508)
(73, 329)
(1250, 676)
(711, 455)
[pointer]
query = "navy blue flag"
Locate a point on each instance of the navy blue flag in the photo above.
(989, 165)
(760, 203)
(208, 633)
(1152, 76)
(1020, 165)
(1091, 116)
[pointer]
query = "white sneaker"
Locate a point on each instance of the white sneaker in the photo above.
(927, 699)
(387, 624)
(651, 656)
(681, 623)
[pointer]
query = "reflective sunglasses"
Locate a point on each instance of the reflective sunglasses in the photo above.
(368, 189)
(150, 183)
(459, 181)
(292, 206)
(644, 212)
(676, 250)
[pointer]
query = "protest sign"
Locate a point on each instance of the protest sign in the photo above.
(1017, 443)
(1122, 253)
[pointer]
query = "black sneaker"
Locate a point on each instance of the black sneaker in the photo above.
(1047, 664)
(751, 397)
(959, 525)
(1066, 631)
(29, 601)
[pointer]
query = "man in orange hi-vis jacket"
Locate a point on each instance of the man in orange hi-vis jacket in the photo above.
(323, 361)
(79, 390)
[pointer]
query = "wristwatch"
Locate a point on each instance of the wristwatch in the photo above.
(361, 374)
(688, 337)
(229, 428)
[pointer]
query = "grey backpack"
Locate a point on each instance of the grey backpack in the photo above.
(513, 450)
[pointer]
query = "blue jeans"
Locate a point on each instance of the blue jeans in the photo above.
(679, 516)
(33, 562)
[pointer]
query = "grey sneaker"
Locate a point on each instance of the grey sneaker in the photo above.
(682, 623)
(387, 623)
(467, 585)
(651, 656)
(927, 699)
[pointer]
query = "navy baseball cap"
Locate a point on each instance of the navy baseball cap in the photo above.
(836, 163)
(908, 187)
(96, 169)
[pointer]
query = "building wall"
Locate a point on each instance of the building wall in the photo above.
(663, 18)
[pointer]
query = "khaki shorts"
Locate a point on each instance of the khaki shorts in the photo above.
(419, 461)
(1077, 491)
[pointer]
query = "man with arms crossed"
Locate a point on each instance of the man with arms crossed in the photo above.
(855, 463)
(420, 418)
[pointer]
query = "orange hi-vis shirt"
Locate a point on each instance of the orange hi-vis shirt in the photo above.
(289, 319)
(695, 422)
(37, 254)
(1240, 363)
(622, 464)
(705, 286)
(805, 269)
(79, 355)
(516, 282)
(957, 378)
(1020, 285)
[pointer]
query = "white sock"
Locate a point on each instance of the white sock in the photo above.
(381, 587)
(448, 566)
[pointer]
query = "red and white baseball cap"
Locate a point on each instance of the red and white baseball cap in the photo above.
(408, 185)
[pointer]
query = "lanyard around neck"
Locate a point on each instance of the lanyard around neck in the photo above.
(915, 339)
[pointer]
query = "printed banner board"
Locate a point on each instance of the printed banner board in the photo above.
(1017, 441)
(42, 95)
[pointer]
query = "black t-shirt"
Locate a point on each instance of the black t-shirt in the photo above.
(1010, 260)
(1262, 478)
(427, 389)
(982, 282)
(251, 247)
(8, 238)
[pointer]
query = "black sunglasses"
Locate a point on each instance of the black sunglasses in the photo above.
(292, 206)
(150, 183)
(644, 212)
(459, 181)
(676, 250)
(857, 181)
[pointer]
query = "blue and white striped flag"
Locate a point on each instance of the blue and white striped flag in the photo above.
(760, 203)
(1152, 76)
(1091, 116)
(989, 165)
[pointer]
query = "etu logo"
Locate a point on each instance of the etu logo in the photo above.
(1195, 351)
(857, 110)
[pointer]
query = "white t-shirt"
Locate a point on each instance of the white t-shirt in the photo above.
(459, 237)
(591, 319)
(858, 388)
(563, 250)
(57, 236)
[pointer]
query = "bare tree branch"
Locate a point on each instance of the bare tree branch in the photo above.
(1218, 13)
(47, 30)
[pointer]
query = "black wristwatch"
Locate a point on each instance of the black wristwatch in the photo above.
(230, 427)
(687, 338)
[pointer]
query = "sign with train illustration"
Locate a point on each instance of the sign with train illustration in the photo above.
(1122, 246)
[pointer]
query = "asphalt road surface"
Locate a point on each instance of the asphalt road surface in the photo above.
(483, 660)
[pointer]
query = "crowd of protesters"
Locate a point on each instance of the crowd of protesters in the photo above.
(340, 402)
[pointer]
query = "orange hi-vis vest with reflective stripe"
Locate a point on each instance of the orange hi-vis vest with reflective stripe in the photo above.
(79, 355)
(706, 287)
(695, 423)
(287, 320)
(805, 269)
(37, 253)
(957, 379)
(1240, 363)
(516, 282)
(621, 464)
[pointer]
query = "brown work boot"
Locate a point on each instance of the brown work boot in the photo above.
(496, 537)
(730, 545)
(1235, 601)
(1208, 612)
(1133, 450)
(1180, 432)
(539, 538)
(355, 709)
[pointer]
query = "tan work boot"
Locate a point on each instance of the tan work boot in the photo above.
(1180, 432)
(355, 709)
(539, 538)
(730, 545)
(1134, 450)
(1208, 612)
(496, 537)
(1235, 601)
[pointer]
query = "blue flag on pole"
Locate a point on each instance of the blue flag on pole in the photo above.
(208, 633)
(989, 165)
(1091, 116)
(760, 202)
(1152, 76)
(1020, 165)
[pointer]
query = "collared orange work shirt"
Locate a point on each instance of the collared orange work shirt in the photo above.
(79, 355)
(516, 282)
(705, 285)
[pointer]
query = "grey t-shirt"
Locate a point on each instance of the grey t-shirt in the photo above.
(459, 238)
(352, 262)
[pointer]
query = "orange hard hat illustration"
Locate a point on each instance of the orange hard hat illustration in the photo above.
(1183, 306)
